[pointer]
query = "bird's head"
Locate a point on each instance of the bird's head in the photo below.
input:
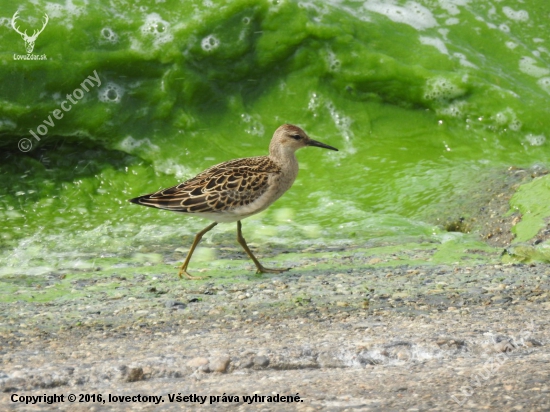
(289, 138)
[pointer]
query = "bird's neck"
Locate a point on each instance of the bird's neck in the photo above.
(285, 158)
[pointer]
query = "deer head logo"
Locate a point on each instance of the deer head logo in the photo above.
(29, 40)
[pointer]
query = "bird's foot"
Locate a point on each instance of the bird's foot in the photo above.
(188, 276)
(262, 269)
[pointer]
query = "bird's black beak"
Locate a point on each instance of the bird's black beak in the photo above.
(315, 143)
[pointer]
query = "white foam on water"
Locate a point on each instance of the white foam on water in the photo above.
(511, 45)
(254, 125)
(64, 13)
(439, 88)
(108, 35)
(320, 10)
(542, 50)
(111, 93)
(435, 42)
(129, 145)
(342, 123)
(452, 21)
(515, 125)
(504, 28)
(451, 6)
(246, 28)
(275, 4)
(509, 116)
(519, 15)
(535, 140)
(158, 29)
(74, 9)
(464, 61)
(313, 104)
(210, 43)
(528, 65)
(56, 10)
(173, 168)
(6, 22)
(457, 109)
(333, 63)
(500, 118)
(506, 119)
(544, 84)
(358, 13)
(412, 13)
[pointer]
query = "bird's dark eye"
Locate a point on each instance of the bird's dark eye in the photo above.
(296, 136)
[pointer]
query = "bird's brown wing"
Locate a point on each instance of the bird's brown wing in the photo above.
(223, 187)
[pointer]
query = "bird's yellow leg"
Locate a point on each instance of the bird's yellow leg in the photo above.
(198, 237)
(259, 266)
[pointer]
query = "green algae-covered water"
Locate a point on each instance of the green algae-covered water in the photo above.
(117, 99)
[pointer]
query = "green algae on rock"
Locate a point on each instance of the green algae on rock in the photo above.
(424, 98)
(533, 201)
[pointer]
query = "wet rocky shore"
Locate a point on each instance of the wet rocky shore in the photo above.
(373, 337)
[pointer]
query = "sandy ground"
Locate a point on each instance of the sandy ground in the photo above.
(373, 338)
